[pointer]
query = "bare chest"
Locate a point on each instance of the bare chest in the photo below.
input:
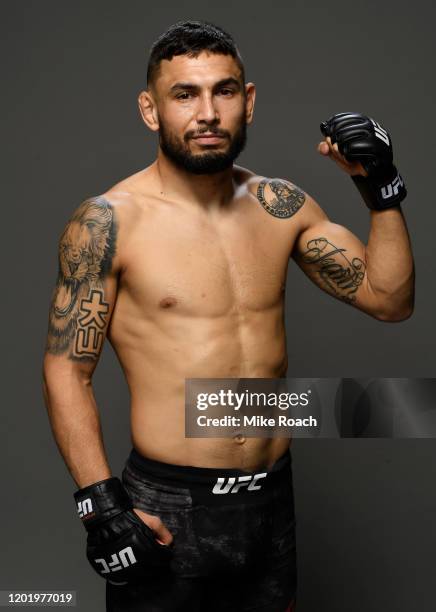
(195, 267)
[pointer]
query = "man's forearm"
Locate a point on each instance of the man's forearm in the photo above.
(76, 426)
(389, 261)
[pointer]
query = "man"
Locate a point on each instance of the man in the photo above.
(183, 267)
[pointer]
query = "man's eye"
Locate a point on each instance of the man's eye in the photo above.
(226, 92)
(184, 96)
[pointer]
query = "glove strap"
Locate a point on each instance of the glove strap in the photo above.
(101, 501)
(381, 193)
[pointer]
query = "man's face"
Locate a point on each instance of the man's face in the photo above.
(201, 105)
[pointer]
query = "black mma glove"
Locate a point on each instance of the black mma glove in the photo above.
(120, 547)
(361, 139)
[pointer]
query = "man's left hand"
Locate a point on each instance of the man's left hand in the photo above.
(328, 149)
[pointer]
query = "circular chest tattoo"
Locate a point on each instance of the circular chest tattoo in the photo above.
(280, 198)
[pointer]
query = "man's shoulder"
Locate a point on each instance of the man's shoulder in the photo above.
(122, 207)
(278, 196)
(126, 189)
(126, 197)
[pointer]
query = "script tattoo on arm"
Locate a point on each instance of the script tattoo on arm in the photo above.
(338, 274)
(78, 314)
(280, 198)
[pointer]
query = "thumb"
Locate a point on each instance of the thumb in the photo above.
(323, 148)
(162, 534)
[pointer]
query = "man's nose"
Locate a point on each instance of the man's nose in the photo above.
(206, 110)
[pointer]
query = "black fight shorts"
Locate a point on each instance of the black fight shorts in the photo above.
(234, 538)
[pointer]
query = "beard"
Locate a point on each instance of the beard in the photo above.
(210, 162)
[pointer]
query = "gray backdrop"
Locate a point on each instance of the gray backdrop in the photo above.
(70, 129)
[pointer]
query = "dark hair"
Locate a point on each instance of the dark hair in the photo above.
(191, 38)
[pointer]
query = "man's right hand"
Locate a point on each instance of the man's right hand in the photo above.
(121, 547)
(162, 533)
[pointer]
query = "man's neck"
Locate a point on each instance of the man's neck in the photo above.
(205, 190)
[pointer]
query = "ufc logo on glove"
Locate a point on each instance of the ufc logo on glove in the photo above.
(84, 507)
(392, 188)
(119, 543)
(123, 558)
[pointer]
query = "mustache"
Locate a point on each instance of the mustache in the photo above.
(210, 130)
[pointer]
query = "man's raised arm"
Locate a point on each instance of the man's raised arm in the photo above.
(80, 310)
(377, 278)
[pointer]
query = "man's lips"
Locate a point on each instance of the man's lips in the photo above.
(208, 138)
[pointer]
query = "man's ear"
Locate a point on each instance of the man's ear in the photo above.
(250, 94)
(148, 110)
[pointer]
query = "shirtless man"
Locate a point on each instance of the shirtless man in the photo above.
(183, 267)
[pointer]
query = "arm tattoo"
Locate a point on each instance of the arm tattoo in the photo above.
(280, 198)
(78, 311)
(339, 275)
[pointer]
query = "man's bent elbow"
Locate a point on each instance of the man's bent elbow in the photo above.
(394, 314)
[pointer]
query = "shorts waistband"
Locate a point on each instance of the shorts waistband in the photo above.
(218, 481)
